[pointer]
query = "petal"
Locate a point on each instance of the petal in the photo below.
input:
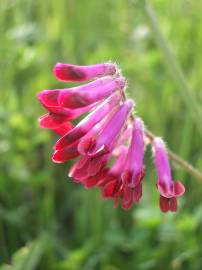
(49, 97)
(94, 166)
(67, 153)
(166, 190)
(137, 178)
(63, 128)
(137, 193)
(164, 204)
(55, 122)
(173, 204)
(179, 188)
(85, 143)
(127, 200)
(80, 174)
(126, 176)
(162, 161)
(93, 180)
(127, 195)
(73, 135)
(81, 162)
(75, 73)
(51, 120)
(109, 189)
(133, 171)
(90, 182)
(86, 167)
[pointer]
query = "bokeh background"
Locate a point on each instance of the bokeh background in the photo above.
(46, 221)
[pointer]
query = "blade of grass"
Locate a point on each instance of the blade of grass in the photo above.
(175, 70)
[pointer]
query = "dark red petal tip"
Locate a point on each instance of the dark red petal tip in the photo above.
(164, 204)
(66, 72)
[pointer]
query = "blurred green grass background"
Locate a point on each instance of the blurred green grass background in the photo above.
(46, 221)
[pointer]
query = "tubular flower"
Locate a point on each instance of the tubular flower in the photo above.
(167, 188)
(108, 134)
(133, 171)
(74, 73)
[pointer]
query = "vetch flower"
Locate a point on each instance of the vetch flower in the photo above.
(81, 96)
(49, 97)
(133, 171)
(78, 98)
(75, 73)
(168, 189)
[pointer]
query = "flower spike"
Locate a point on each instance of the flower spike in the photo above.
(109, 142)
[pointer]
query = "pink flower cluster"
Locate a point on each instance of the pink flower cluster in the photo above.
(109, 142)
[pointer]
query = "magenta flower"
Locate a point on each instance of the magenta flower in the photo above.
(168, 189)
(82, 96)
(74, 73)
(134, 167)
(133, 171)
(108, 144)
(79, 98)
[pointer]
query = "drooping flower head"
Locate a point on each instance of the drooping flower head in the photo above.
(107, 145)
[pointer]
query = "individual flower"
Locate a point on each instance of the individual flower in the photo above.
(75, 73)
(133, 171)
(81, 96)
(168, 189)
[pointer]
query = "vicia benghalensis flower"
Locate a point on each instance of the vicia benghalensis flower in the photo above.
(167, 188)
(109, 142)
(74, 73)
